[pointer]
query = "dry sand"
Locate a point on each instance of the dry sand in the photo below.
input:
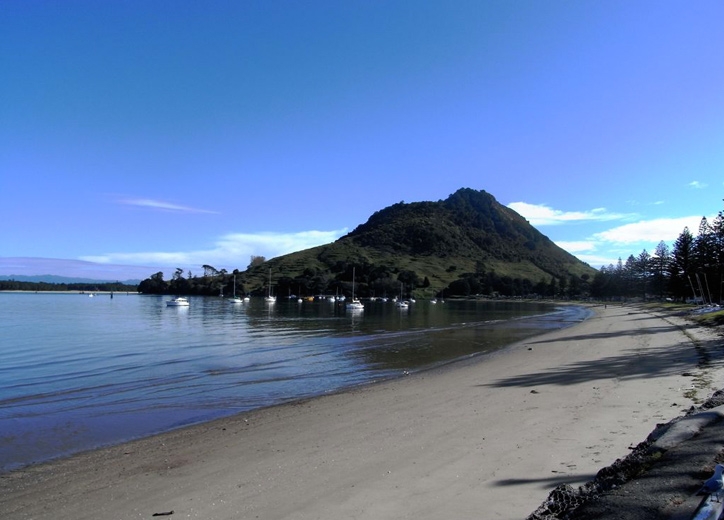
(485, 438)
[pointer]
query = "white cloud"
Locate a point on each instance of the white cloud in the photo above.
(231, 251)
(597, 261)
(697, 185)
(647, 231)
(165, 206)
(576, 246)
(606, 247)
(542, 215)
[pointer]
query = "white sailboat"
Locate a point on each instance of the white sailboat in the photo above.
(235, 298)
(269, 298)
(402, 304)
(355, 304)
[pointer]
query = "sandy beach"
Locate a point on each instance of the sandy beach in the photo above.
(487, 437)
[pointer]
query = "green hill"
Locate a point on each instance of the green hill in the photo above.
(466, 244)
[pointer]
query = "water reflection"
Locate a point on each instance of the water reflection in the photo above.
(130, 366)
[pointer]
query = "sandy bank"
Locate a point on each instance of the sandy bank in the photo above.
(487, 438)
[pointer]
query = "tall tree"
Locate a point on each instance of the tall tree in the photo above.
(681, 267)
(707, 258)
(660, 269)
(256, 260)
(718, 261)
(643, 272)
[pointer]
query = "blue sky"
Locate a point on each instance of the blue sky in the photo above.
(144, 136)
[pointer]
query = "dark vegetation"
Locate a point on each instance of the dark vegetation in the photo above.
(465, 245)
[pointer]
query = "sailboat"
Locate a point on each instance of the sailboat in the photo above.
(235, 298)
(269, 298)
(355, 304)
(402, 304)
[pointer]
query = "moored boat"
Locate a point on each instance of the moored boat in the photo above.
(269, 298)
(355, 304)
(178, 301)
(235, 298)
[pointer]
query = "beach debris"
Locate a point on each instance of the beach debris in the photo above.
(164, 513)
(715, 484)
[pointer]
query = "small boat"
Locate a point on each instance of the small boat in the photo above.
(235, 298)
(179, 301)
(269, 298)
(402, 304)
(355, 304)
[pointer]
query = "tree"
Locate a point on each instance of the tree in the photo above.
(705, 254)
(153, 285)
(718, 261)
(681, 267)
(552, 287)
(256, 261)
(209, 270)
(660, 269)
(563, 287)
(643, 272)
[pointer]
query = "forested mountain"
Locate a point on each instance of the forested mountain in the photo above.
(466, 244)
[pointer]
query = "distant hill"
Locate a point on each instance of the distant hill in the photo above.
(50, 278)
(466, 244)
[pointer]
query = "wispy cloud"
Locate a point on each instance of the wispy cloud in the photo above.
(542, 215)
(231, 251)
(621, 241)
(164, 206)
(606, 247)
(666, 229)
(698, 185)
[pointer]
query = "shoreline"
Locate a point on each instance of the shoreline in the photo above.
(487, 436)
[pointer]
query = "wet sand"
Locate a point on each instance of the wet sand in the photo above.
(486, 438)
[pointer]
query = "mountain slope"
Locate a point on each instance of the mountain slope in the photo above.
(427, 246)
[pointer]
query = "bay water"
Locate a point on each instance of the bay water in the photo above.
(79, 371)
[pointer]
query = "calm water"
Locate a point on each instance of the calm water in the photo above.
(78, 372)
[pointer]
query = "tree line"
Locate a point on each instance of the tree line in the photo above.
(691, 270)
(370, 280)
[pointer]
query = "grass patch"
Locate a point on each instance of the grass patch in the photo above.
(710, 319)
